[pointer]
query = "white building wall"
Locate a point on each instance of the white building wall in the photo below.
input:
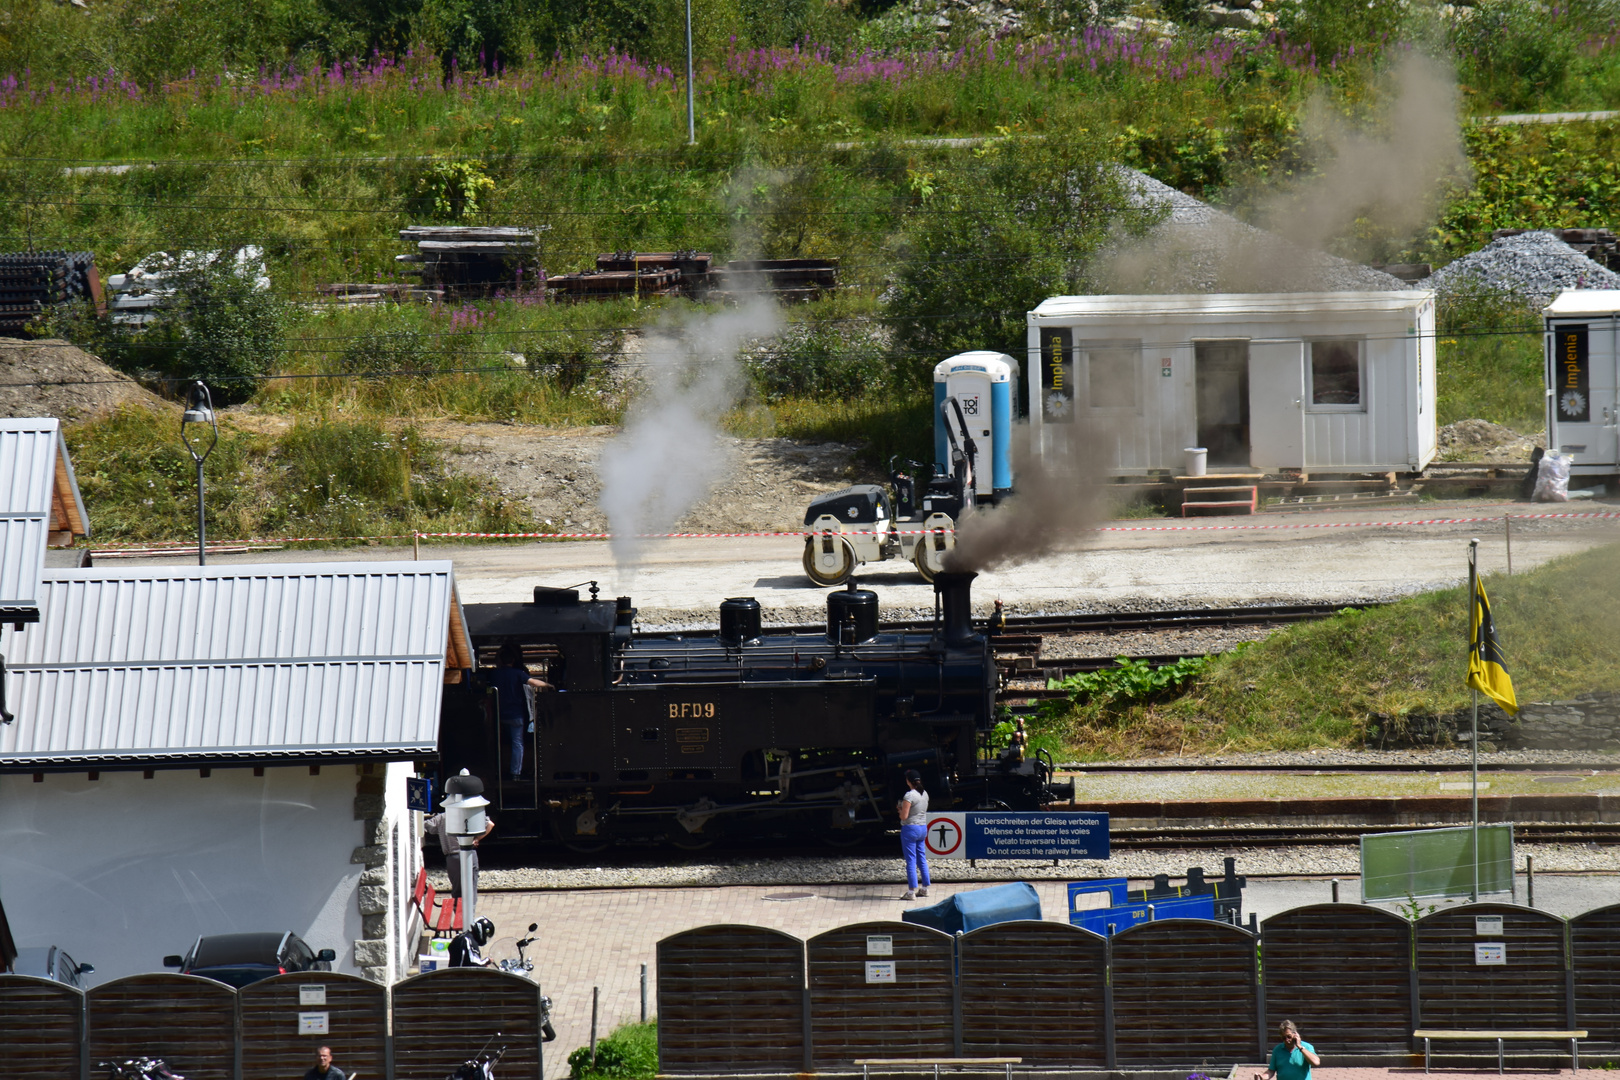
(122, 870)
(1395, 430)
(405, 859)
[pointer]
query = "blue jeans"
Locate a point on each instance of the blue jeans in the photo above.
(914, 846)
(514, 732)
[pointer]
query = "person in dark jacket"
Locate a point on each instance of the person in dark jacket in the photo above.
(464, 948)
(509, 679)
(324, 1069)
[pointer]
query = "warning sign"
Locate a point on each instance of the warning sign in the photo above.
(1011, 834)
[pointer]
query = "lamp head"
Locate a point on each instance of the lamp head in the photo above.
(199, 412)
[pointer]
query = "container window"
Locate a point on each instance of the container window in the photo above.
(1111, 375)
(1336, 372)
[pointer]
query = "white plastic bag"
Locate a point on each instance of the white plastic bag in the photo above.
(1552, 477)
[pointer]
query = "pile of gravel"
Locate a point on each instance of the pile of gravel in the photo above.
(1199, 249)
(1533, 266)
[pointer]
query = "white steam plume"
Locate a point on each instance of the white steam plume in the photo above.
(668, 455)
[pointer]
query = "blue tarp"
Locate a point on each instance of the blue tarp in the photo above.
(970, 910)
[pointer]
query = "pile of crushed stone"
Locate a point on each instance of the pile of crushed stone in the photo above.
(1481, 440)
(1534, 267)
(55, 378)
(1199, 249)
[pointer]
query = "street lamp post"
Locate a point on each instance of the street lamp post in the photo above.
(199, 415)
(691, 109)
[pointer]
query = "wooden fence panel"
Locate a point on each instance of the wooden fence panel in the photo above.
(1184, 991)
(1594, 940)
(1035, 990)
(188, 1021)
(443, 1018)
(1455, 991)
(910, 1017)
(41, 1028)
(356, 1012)
(1342, 972)
(730, 999)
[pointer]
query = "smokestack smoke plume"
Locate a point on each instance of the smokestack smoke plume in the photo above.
(1057, 503)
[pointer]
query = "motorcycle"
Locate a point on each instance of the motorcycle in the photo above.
(481, 1066)
(525, 967)
(139, 1068)
(522, 965)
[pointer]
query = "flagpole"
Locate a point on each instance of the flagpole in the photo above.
(1473, 604)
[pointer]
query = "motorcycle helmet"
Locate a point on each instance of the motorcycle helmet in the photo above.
(482, 931)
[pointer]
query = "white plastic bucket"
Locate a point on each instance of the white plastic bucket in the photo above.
(1197, 458)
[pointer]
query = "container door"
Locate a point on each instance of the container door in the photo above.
(1221, 372)
(972, 390)
(1277, 405)
(1581, 376)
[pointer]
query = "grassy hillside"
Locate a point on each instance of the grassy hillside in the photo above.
(1315, 684)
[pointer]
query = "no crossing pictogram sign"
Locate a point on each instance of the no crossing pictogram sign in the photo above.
(1018, 834)
(945, 835)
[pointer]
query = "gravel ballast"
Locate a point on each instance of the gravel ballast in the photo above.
(1533, 266)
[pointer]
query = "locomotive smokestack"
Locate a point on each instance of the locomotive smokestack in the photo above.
(955, 592)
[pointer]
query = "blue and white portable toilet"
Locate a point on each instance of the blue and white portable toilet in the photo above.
(984, 384)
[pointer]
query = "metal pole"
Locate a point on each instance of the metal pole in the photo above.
(1507, 531)
(1335, 890)
(202, 550)
(596, 999)
(1473, 601)
(643, 993)
(1530, 880)
(469, 884)
(691, 109)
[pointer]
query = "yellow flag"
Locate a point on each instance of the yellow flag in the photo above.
(1486, 672)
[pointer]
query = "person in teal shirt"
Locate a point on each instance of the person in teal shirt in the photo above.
(1291, 1059)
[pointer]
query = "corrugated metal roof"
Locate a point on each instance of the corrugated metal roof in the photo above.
(230, 663)
(29, 450)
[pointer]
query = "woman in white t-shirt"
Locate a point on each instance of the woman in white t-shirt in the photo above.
(913, 811)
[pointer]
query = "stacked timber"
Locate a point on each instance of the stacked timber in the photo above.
(472, 260)
(611, 284)
(695, 267)
(32, 283)
(786, 279)
(349, 294)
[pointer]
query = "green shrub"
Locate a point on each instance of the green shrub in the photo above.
(630, 1053)
(388, 352)
(988, 241)
(823, 360)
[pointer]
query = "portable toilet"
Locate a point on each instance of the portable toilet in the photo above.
(984, 384)
(1582, 385)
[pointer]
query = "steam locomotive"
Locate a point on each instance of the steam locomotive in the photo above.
(685, 739)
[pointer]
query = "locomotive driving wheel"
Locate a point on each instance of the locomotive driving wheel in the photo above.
(828, 559)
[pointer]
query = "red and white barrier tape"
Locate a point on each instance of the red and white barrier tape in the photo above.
(801, 534)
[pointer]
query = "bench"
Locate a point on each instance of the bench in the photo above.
(441, 915)
(912, 1063)
(1501, 1037)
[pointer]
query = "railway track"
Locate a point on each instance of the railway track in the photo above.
(1325, 835)
(1084, 768)
(1105, 622)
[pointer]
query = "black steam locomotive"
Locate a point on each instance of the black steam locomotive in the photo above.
(686, 739)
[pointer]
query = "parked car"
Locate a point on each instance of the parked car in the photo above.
(49, 962)
(240, 959)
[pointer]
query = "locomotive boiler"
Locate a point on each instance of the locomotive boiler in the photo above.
(686, 739)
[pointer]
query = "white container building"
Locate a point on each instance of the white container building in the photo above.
(1315, 382)
(1583, 378)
